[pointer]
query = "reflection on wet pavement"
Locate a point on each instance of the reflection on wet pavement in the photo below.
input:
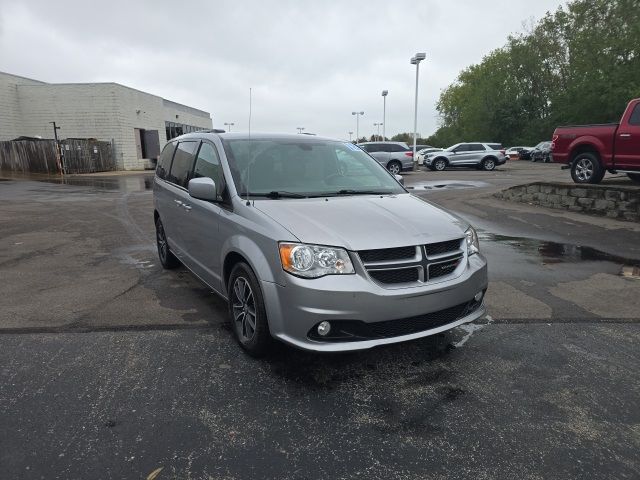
(554, 252)
(446, 185)
(135, 183)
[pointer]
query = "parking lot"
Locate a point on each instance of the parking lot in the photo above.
(112, 367)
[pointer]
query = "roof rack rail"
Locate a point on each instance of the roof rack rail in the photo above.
(213, 130)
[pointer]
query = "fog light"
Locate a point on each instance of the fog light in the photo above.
(478, 296)
(324, 328)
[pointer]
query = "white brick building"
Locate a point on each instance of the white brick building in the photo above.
(137, 123)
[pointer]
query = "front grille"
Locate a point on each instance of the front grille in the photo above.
(401, 275)
(402, 265)
(356, 330)
(387, 254)
(444, 268)
(441, 248)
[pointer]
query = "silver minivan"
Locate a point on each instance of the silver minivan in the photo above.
(313, 242)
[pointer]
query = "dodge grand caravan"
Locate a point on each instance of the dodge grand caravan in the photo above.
(313, 242)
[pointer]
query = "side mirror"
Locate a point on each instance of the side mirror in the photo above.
(400, 179)
(203, 188)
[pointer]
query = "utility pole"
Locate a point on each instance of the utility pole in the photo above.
(384, 114)
(350, 133)
(58, 152)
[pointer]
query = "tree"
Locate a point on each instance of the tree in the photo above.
(580, 64)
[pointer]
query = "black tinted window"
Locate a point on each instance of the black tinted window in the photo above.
(182, 163)
(634, 119)
(462, 148)
(396, 148)
(498, 146)
(476, 147)
(165, 160)
(208, 165)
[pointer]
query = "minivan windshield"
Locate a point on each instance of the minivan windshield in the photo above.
(281, 168)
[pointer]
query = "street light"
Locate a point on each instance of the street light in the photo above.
(357, 114)
(378, 125)
(300, 129)
(350, 133)
(229, 125)
(384, 112)
(415, 60)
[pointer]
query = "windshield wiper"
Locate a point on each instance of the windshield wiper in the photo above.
(275, 194)
(362, 192)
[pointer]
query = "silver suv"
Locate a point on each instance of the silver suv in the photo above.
(483, 156)
(395, 156)
(312, 242)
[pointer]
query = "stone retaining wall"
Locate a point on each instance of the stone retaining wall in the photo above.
(612, 201)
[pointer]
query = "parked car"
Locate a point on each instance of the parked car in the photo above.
(484, 156)
(420, 154)
(591, 150)
(541, 152)
(514, 153)
(525, 154)
(312, 242)
(395, 156)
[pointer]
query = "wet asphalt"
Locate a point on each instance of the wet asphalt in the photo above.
(111, 367)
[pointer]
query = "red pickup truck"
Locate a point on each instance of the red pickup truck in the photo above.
(591, 150)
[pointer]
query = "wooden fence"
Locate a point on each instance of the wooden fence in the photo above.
(79, 155)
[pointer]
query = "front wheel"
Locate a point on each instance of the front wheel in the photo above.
(247, 311)
(439, 164)
(586, 168)
(488, 164)
(635, 177)
(394, 167)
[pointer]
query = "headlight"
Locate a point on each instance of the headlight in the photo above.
(473, 244)
(313, 261)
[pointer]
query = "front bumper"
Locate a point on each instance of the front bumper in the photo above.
(293, 310)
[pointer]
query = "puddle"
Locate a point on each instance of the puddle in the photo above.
(137, 183)
(554, 252)
(446, 185)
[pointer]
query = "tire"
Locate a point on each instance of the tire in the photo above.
(167, 259)
(394, 167)
(439, 164)
(244, 305)
(586, 168)
(635, 177)
(488, 164)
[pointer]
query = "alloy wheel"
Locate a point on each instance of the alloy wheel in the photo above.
(244, 309)
(161, 240)
(394, 168)
(440, 165)
(584, 169)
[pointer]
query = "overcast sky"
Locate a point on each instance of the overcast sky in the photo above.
(310, 64)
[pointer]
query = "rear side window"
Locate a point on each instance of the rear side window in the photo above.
(208, 165)
(634, 119)
(476, 147)
(368, 148)
(162, 170)
(397, 148)
(498, 146)
(182, 163)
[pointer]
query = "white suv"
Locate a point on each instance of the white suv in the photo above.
(483, 156)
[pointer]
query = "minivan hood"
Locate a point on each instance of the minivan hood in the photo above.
(364, 222)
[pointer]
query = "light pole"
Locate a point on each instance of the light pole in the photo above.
(58, 152)
(229, 125)
(350, 133)
(300, 129)
(415, 60)
(384, 113)
(357, 114)
(378, 125)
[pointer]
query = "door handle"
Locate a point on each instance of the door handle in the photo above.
(186, 207)
(625, 135)
(178, 202)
